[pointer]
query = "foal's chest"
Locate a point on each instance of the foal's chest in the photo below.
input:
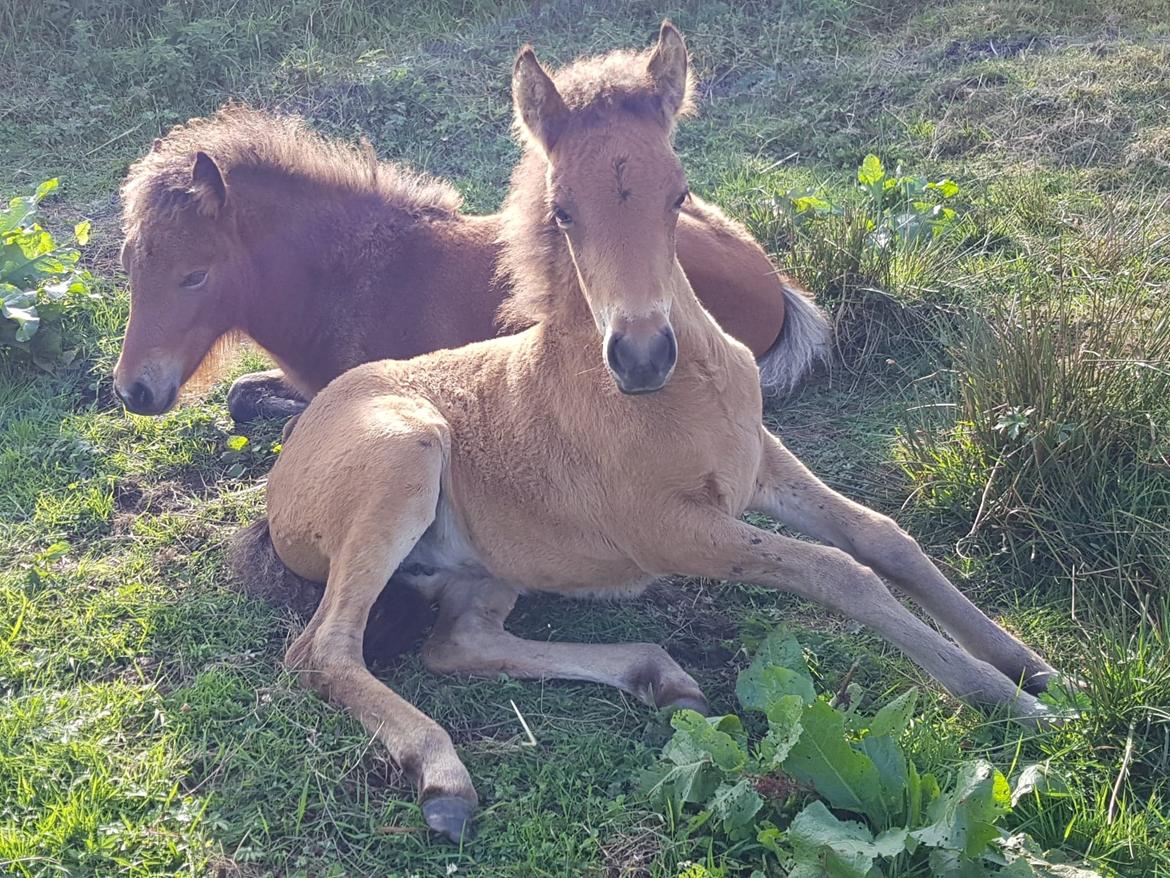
(601, 490)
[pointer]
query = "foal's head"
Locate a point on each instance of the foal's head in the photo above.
(185, 263)
(613, 190)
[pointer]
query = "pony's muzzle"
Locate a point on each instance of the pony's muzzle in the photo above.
(142, 399)
(641, 355)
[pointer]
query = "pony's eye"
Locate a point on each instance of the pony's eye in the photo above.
(562, 216)
(682, 199)
(194, 280)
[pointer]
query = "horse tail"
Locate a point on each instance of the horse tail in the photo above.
(397, 620)
(802, 344)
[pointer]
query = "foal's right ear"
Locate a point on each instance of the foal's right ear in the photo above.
(207, 185)
(540, 111)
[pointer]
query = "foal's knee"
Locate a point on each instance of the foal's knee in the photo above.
(882, 544)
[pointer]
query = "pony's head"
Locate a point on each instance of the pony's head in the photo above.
(185, 262)
(613, 188)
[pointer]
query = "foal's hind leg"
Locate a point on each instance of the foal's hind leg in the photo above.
(264, 395)
(717, 546)
(328, 654)
(469, 638)
(793, 495)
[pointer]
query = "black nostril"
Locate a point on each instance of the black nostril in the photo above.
(139, 397)
(665, 349)
(613, 352)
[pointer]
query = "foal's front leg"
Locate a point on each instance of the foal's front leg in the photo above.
(469, 638)
(791, 494)
(717, 546)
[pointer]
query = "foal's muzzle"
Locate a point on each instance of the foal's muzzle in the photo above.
(641, 359)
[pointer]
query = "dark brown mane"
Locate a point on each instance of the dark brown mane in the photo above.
(534, 260)
(239, 137)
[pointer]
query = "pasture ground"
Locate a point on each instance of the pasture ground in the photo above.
(146, 726)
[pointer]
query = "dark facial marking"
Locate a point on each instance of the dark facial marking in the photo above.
(619, 169)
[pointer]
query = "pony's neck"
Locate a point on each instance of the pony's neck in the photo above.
(280, 222)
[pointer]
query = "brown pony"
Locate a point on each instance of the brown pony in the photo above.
(615, 441)
(248, 223)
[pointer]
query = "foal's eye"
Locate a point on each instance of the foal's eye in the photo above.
(682, 199)
(562, 216)
(194, 280)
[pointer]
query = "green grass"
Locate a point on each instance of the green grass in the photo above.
(146, 726)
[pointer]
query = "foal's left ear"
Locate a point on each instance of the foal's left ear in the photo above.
(207, 185)
(668, 68)
(540, 109)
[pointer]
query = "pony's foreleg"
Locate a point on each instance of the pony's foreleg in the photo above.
(717, 546)
(264, 395)
(469, 638)
(328, 654)
(794, 496)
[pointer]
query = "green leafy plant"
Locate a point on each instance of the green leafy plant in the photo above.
(896, 211)
(875, 254)
(39, 281)
(828, 790)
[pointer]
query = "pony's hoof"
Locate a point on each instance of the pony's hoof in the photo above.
(450, 816)
(251, 398)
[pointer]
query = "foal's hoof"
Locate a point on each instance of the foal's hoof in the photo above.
(450, 816)
(1042, 681)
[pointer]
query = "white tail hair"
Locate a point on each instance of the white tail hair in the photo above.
(802, 344)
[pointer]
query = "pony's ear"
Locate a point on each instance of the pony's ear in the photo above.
(157, 145)
(668, 69)
(540, 111)
(207, 185)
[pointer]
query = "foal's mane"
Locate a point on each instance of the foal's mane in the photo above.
(239, 137)
(535, 259)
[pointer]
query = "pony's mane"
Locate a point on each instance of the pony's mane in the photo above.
(239, 137)
(534, 260)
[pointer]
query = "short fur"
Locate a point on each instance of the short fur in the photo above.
(515, 464)
(327, 258)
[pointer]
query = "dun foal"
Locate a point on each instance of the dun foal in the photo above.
(250, 224)
(615, 441)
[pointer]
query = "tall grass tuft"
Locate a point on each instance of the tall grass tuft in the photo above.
(1058, 450)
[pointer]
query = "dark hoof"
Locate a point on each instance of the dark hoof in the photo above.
(450, 816)
(1047, 681)
(1038, 684)
(269, 408)
(689, 702)
(259, 395)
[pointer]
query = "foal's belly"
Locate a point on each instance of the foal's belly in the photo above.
(536, 557)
